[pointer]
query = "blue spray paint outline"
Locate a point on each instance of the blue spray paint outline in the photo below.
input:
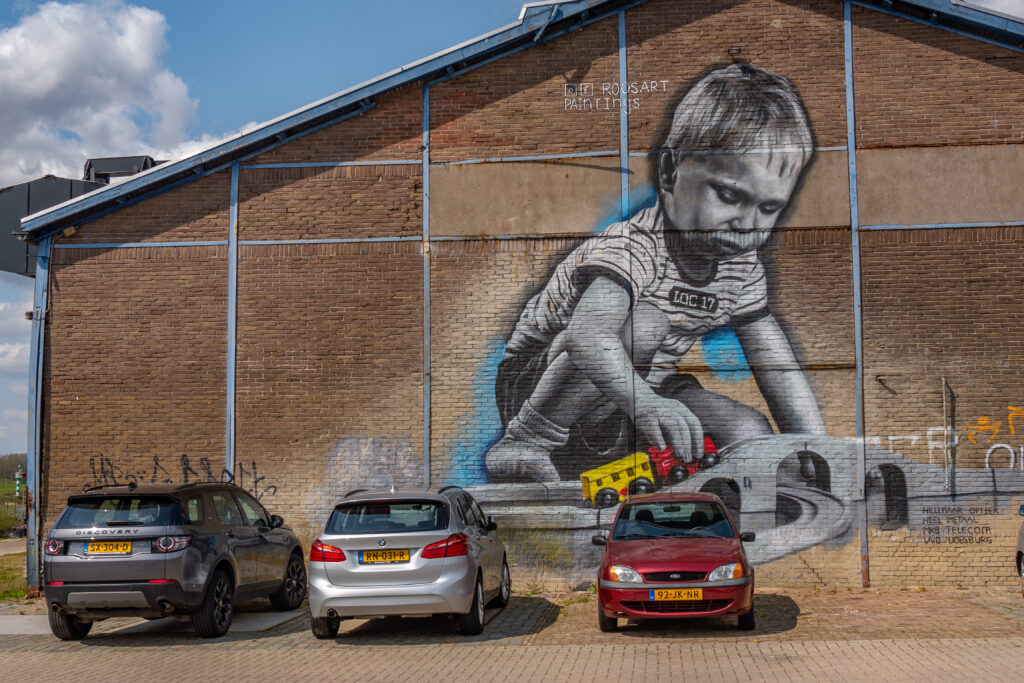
(479, 430)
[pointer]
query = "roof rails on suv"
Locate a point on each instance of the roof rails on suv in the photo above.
(131, 487)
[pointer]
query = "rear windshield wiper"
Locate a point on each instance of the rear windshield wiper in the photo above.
(123, 522)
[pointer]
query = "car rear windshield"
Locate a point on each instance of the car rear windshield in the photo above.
(700, 519)
(388, 517)
(111, 511)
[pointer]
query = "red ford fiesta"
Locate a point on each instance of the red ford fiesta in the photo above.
(673, 555)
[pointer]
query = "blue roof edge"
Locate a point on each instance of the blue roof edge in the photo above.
(534, 18)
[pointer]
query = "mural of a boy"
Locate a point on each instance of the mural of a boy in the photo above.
(598, 344)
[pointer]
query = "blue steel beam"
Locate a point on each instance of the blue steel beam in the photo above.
(858, 332)
(35, 405)
(623, 123)
(426, 285)
(229, 415)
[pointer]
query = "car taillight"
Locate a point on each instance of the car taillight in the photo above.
(54, 583)
(453, 546)
(162, 581)
(53, 546)
(168, 544)
(325, 553)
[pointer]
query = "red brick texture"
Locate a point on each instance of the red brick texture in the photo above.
(917, 85)
(196, 211)
(392, 130)
(135, 367)
(679, 41)
(516, 105)
(347, 201)
(329, 371)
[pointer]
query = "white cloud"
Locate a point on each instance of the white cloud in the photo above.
(13, 322)
(18, 388)
(86, 80)
(14, 359)
(14, 415)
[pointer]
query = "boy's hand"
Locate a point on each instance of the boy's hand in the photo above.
(667, 422)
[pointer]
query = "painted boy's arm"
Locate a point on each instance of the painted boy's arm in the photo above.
(594, 343)
(779, 377)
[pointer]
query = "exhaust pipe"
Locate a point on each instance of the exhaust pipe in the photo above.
(331, 614)
(166, 607)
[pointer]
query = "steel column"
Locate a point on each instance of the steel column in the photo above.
(229, 421)
(858, 331)
(426, 285)
(35, 414)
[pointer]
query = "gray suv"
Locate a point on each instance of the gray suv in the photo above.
(406, 553)
(183, 550)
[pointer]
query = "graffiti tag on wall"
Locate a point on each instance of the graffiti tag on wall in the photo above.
(105, 472)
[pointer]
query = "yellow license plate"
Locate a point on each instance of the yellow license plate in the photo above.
(677, 594)
(108, 548)
(383, 556)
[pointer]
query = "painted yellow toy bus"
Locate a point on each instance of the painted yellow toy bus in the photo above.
(609, 484)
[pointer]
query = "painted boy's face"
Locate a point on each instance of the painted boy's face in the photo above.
(722, 205)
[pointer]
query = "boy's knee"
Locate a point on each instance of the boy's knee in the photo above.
(749, 423)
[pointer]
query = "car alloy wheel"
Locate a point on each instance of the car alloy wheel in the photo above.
(295, 582)
(506, 584)
(222, 602)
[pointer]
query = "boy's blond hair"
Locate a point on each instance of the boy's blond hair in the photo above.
(741, 108)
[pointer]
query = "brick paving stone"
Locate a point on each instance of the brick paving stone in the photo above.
(805, 635)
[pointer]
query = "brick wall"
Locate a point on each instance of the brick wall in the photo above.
(917, 85)
(197, 211)
(330, 336)
(330, 361)
(135, 367)
(313, 203)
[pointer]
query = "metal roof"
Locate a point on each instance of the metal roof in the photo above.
(538, 21)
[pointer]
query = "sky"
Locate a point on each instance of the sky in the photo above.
(167, 77)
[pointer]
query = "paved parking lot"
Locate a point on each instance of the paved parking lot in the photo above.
(879, 634)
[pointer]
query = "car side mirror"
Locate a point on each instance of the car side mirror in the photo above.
(276, 521)
(491, 524)
(748, 537)
(598, 539)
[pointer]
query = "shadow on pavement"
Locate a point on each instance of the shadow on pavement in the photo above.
(522, 617)
(775, 614)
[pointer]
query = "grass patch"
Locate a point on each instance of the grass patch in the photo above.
(12, 583)
(577, 599)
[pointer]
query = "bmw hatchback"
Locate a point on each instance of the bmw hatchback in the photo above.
(406, 554)
(674, 555)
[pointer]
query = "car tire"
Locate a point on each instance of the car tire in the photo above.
(293, 588)
(505, 591)
(605, 623)
(67, 626)
(213, 618)
(746, 622)
(472, 623)
(324, 628)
